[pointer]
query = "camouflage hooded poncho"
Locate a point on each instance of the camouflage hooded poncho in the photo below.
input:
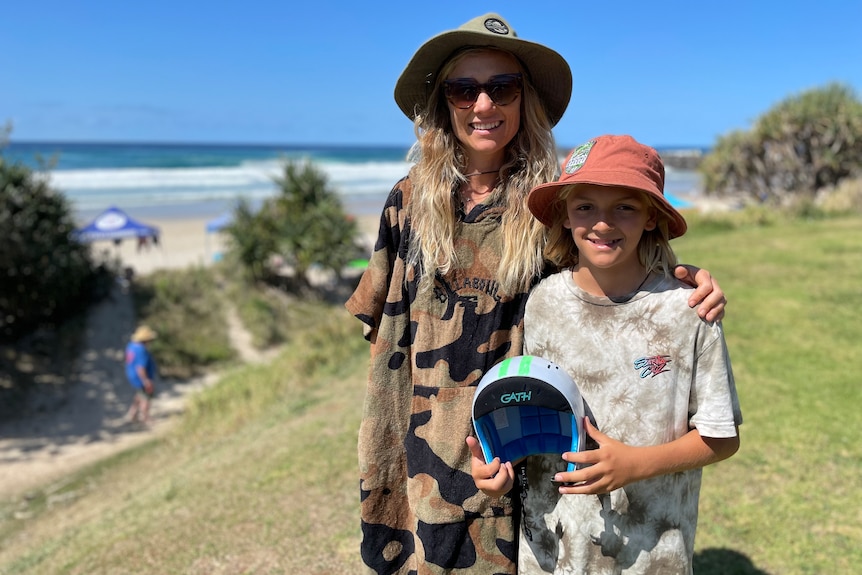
(420, 510)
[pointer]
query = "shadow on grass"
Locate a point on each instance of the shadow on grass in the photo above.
(724, 562)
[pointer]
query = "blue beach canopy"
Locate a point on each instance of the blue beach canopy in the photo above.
(115, 224)
(219, 223)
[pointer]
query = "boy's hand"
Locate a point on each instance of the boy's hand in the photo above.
(613, 465)
(495, 479)
(707, 292)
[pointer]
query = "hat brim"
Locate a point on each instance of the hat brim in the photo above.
(542, 198)
(548, 72)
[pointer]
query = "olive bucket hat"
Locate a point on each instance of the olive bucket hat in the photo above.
(547, 70)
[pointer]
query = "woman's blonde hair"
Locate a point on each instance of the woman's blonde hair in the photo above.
(531, 159)
(654, 251)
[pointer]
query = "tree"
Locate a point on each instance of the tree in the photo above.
(804, 144)
(252, 240)
(44, 273)
(313, 228)
(304, 223)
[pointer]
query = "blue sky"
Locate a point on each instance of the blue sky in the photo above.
(672, 73)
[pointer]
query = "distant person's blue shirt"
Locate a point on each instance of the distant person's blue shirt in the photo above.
(138, 356)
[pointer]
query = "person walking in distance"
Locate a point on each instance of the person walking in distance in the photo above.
(140, 372)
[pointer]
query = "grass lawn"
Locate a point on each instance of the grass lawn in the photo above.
(261, 477)
(790, 501)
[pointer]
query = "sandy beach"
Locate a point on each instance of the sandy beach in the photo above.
(185, 242)
(181, 243)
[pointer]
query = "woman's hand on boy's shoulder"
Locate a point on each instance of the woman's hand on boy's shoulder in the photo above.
(707, 295)
(495, 479)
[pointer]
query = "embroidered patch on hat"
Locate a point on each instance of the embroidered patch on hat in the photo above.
(496, 26)
(579, 157)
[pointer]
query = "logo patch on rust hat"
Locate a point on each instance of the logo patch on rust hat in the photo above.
(578, 157)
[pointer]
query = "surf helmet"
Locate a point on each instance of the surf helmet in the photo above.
(527, 405)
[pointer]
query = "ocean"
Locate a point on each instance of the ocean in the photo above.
(206, 180)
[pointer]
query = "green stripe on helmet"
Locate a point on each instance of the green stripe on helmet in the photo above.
(524, 364)
(515, 366)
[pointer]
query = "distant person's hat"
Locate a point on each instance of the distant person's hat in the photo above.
(547, 70)
(144, 334)
(527, 405)
(612, 161)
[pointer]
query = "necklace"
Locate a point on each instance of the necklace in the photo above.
(598, 290)
(637, 289)
(468, 197)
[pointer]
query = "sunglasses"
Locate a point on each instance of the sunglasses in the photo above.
(502, 89)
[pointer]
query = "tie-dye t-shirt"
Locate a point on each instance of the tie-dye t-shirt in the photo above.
(420, 510)
(649, 370)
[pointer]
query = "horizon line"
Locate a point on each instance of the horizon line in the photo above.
(96, 142)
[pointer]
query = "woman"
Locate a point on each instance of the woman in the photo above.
(443, 297)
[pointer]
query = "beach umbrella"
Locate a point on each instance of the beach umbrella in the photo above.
(115, 225)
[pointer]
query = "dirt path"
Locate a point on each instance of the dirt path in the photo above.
(88, 424)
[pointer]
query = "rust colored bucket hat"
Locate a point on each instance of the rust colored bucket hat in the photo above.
(612, 161)
(548, 71)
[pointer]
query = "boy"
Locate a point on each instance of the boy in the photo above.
(655, 378)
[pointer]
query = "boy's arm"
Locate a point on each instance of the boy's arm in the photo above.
(615, 464)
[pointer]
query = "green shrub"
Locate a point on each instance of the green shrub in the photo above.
(313, 228)
(186, 308)
(45, 274)
(251, 241)
(804, 144)
(304, 226)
